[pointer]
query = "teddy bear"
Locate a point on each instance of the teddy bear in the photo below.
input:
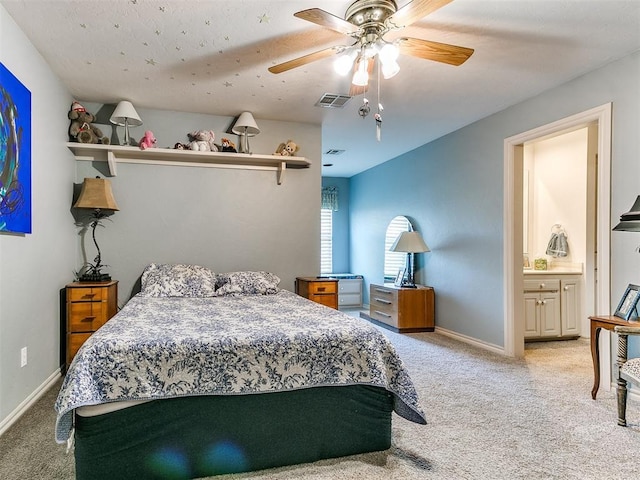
(148, 141)
(81, 129)
(287, 149)
(202, 141)
(228, 146)
(180, 146)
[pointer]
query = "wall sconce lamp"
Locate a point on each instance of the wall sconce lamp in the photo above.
(410, 242)
(630, 221)
(246, 127)
(125, 116)
(97, 196)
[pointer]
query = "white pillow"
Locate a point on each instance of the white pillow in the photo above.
(247, 283)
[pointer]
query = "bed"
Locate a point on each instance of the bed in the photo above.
(203, 374)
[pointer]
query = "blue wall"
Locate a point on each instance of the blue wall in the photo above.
(452, 188)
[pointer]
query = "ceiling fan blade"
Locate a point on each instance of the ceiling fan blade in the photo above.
(298, 62)
(326, 19)
(356, 90)
(438, 52)
(414, 11)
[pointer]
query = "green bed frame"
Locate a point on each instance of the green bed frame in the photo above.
(193, 437)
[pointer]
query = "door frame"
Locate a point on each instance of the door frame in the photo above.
(512, 217)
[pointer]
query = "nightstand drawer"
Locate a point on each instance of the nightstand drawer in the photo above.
(86, 316)
(86, 294)
(74, 342)
(322, 287)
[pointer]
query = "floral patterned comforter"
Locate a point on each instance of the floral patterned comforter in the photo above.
(171, 347)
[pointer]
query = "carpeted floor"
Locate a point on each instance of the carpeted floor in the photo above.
(489, 417)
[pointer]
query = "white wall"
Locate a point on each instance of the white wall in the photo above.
(34, 267)
(558, 193)
(226, 219)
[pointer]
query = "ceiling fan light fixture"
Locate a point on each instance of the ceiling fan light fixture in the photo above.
(344, 63)
(390, 69)
(361, 75)
(388, 53)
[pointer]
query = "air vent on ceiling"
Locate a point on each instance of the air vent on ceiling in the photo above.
(334, 151)
(333, 100)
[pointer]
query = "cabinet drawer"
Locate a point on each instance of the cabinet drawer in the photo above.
(388, 317)
(326, 300)
(74, 342)
(541, 285)
(86, 316)
(345, 299)
(350, 286)
(322, 287)
(96, 294)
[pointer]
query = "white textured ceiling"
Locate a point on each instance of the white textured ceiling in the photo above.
(211, 56)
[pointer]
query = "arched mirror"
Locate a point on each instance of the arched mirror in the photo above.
(394, 261)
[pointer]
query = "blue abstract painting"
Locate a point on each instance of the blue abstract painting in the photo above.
(15, 154)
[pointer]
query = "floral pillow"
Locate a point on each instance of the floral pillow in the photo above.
(164, 280)
(247, 283)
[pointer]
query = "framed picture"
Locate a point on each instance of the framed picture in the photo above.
(627, 304)
(15, 154)
(399, 278)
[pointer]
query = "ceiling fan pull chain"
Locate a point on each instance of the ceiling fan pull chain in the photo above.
(378, 115)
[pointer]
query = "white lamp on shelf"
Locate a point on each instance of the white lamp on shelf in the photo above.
(125, 116)
(246, 127)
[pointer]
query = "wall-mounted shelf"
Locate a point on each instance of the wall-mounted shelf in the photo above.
(114, 154)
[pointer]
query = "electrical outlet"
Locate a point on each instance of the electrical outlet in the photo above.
(23, 357)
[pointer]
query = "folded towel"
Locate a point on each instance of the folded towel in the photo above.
(558, 245)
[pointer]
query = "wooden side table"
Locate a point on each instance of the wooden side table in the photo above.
(608, 322)
(402, 309)
(318, 289)
(89, 306)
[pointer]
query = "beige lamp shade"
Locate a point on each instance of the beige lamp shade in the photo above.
(246, 125)
(125, 114)
(410, 242)
(96, 193)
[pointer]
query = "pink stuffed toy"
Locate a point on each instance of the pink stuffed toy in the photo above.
(148, 141)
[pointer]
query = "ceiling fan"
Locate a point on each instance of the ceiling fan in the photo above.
(367, 21)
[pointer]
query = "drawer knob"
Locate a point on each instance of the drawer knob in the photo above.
(88, 319)
(382, 313)
(322, 289)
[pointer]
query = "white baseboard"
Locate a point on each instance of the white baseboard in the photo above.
(471, 341)
(28, 402)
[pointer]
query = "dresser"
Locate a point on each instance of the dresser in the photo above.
(89, 305)
(318, 289)
(403, 309)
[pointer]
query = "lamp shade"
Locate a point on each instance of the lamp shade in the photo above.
(246, 125)
(125, 114)
(410, 242)
(96, 193)
(630, 221)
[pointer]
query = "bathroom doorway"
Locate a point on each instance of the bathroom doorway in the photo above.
(596, 268)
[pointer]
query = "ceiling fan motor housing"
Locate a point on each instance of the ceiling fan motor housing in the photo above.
(370, 15)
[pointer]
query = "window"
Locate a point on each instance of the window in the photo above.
(326, 243)
(394, 261)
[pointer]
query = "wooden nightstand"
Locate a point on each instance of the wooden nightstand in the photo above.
(89, 306)
(320, 290)
(403, 309)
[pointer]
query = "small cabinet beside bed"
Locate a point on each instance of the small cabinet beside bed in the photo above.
(227, 373)
(89, 305)
(319, 290)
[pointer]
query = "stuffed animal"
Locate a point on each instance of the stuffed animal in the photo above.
(81, 129)
(228, 146)
(180, 146)
(148, 141)
(202, 141)
(287, 149)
